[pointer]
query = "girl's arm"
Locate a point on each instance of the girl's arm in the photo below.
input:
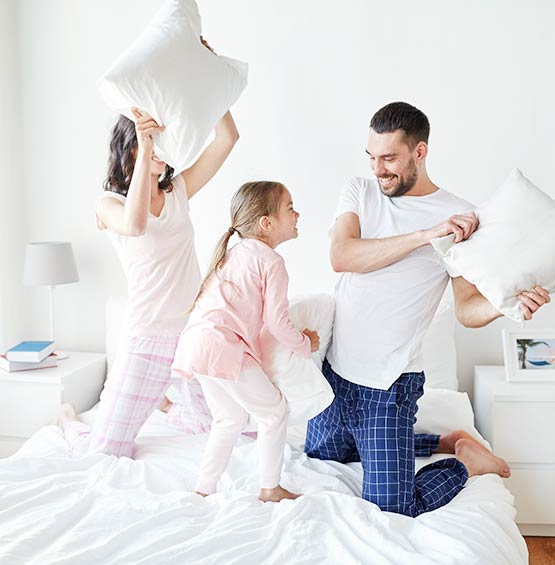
(130, 218)
(213, 157)
(276, 311)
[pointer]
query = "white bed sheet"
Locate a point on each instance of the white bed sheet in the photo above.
(105, 510)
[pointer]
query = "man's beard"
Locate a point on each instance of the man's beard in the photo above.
(406, 182)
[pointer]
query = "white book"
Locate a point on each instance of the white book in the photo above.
(14, 366)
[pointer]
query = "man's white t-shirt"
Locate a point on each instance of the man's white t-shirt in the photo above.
(381, 316)
(161, 266)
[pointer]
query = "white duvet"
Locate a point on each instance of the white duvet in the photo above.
(104, 510)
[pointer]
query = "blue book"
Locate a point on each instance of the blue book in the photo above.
(30, 351)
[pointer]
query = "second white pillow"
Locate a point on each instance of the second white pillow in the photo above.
(513, 248)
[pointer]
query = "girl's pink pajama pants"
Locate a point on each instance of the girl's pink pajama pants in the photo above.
(231, 402)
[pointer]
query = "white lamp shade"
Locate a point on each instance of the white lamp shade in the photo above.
(49, 263)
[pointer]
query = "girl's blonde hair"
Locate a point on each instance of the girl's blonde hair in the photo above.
(250, 203)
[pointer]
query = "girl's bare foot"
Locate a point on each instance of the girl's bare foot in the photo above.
(448, 441)
(165, 405)
(67, 414)
(480, 461)
(276, 494)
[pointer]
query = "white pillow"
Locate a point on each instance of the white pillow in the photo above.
(168, 73)
(441, 411)
(513, 248)
(439, 352)
(300, 379)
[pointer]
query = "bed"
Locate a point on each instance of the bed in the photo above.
(101, 509)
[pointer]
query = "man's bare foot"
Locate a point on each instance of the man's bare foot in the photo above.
(67, 414)
(201, 493)
(448, 441)
(480, 461)
(165, 405)
(276, 494)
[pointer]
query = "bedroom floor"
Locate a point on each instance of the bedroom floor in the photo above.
(542, 550)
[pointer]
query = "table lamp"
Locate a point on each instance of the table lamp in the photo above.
(50, 263)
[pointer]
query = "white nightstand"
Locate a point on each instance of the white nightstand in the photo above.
(518, 419)
(32, 399)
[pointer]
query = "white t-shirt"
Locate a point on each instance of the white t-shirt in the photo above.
(161, 266)
(381, 317)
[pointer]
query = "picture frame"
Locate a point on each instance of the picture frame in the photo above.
(529, 355)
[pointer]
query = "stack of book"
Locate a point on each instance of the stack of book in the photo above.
(29, 355)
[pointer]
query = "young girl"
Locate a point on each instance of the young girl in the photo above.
(145, 212)
(244, 289)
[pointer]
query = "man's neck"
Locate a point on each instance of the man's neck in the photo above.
(422, 187)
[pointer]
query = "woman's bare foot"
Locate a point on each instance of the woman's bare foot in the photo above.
(480, 461)
(165, 405)
(448, 441)
(67, 414)
(201, 493)
(276, 494)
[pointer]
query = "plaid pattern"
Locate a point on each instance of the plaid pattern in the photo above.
(135, 387)
(377, 427)
(425, 444)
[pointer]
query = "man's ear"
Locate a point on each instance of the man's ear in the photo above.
(264, 223)
(421, 150)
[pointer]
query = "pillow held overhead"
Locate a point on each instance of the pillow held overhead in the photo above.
(168, 73)
(513, 248)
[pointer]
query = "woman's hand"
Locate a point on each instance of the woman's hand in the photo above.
(145, 126)
(314, 339)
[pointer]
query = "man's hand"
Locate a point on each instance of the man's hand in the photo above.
(462, 225)
(532, 300)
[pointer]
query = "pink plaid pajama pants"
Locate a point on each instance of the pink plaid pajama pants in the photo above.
(136, 385)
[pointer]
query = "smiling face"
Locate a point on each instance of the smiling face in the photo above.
(394, 162)
(284, 223)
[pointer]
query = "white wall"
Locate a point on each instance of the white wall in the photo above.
(12, 214)
(481, 70)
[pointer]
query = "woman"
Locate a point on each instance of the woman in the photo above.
(145, 212)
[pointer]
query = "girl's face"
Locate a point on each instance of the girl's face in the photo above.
(284, 224)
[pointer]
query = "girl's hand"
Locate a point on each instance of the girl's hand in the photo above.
(145, 126)
(205, 43)
(314, 339)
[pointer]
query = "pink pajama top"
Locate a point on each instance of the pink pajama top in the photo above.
(222, 335)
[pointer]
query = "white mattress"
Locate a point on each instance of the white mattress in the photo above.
(104, 510)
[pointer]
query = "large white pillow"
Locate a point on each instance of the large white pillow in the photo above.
(513, 248)
(300, 379)
(168, 73)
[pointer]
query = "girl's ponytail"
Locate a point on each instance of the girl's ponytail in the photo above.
(216, 262)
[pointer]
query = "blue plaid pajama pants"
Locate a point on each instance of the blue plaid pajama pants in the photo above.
(376, 427)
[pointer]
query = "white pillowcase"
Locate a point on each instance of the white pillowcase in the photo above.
(168, 73)
(441, 411)
(513, 248)
(300, 379)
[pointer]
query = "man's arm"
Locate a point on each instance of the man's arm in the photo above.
(350, 253)
(474, 311)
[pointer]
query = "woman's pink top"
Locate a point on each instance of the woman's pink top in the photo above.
(222, 335)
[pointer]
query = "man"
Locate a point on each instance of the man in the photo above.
(388, 292)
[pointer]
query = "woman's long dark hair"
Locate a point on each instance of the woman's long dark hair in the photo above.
(122, 159)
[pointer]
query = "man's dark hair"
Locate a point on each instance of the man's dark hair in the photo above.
(400, 115)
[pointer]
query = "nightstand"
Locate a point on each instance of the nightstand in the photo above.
(32, 399)
(518, 419)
